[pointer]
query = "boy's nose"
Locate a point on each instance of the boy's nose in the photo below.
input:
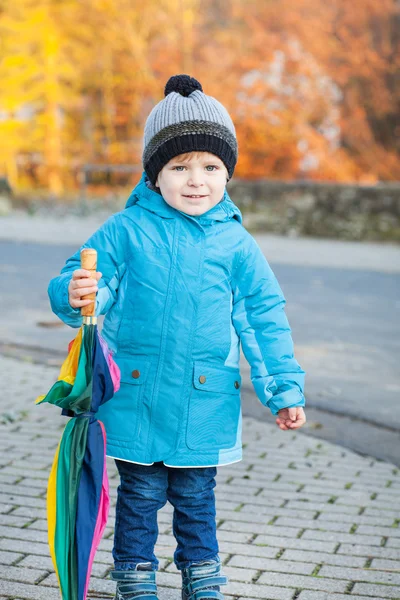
(195, 177)
(195, 181)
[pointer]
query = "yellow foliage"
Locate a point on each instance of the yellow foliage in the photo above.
(311, 86)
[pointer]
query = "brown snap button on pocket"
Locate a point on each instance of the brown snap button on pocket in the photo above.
(237, 385)
(202, 378)
(135, 374)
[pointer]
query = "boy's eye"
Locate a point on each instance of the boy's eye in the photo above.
(209, 168)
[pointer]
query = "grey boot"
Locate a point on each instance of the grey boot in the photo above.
(138, 584)
(202, 581)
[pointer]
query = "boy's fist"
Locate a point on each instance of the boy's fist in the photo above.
(82, 284)
(291, 418)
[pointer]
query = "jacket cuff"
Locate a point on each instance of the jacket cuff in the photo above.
(287, 399)
(65, 305)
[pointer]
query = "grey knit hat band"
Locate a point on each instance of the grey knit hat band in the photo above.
(188, 128)
(187, 120)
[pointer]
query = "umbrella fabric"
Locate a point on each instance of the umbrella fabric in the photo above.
(77, 498)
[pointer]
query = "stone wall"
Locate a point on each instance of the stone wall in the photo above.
(344, 211)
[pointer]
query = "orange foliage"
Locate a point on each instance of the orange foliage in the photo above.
(311, 86)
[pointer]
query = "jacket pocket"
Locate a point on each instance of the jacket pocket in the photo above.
(123, 413)
(214, 407)
(134, 368)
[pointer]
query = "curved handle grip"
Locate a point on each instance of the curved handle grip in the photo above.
(89, 262)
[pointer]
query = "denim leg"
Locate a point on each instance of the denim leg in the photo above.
(191, 493)
(141, 493)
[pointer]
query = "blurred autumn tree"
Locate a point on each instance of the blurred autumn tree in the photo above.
(313, 88)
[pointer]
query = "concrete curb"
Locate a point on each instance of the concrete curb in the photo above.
(74, 231)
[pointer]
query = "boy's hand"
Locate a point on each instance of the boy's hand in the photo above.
(291, 418)
(82, 284)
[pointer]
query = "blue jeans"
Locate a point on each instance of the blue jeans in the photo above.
(146, 489)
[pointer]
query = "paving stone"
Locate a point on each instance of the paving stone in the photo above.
(232, 506)
(378, 512)
(319, 523)
(331, 509)
(245, 550)
(257, 527)
(241, 493)
(11, 479)
(390, 565)
(384, 493)
(21, 574)
(252, 501)
(41, 525)
(368, 540)
(35, 466)
(24, 546)
(106, 545)
(233, 536)
(373, 575)
(266, 513)
(278, 566)
(15, 500)
(376, 530)
(308, 595)
(323, 557)
(34, 484)
(301, 496)
(376, 591)
(369, 551)
(300, 581)
(393, 542)
(11, 520)
(297, 544)
(259, 591)
(23, 534)
(35, 561)
(25, 472)
(6, 507)
(30, 512)
(9, 558)
(28, 592)
(359, 519)
(244, 516)
(292, 513)
(238, 574)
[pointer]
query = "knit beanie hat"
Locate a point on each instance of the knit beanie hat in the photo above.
(187, 120)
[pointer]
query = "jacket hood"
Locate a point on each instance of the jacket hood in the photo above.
(143, 195)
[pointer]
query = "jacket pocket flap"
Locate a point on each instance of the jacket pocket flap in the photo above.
(213, 378)
(134, 369)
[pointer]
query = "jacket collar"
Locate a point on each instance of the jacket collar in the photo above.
(153, 201)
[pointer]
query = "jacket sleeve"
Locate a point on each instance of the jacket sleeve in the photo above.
(260, 321)
(108, 241)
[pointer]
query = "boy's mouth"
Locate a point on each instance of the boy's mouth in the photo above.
(193, 196)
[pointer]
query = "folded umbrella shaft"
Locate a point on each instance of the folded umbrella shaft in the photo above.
(77, 498)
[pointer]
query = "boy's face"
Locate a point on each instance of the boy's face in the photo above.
(193, 182)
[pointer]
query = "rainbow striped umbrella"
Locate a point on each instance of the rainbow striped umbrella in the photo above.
(77, 493)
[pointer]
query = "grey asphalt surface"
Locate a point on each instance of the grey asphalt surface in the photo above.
(343, 317)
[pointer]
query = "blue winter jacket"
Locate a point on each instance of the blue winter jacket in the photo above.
(180, 294)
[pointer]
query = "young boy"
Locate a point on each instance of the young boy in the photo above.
(182, 284)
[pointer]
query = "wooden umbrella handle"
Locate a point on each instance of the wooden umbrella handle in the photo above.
(89, 262)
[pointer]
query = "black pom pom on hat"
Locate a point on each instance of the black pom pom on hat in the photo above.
(182, 84)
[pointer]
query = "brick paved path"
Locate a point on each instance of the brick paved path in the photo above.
(297, 519)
